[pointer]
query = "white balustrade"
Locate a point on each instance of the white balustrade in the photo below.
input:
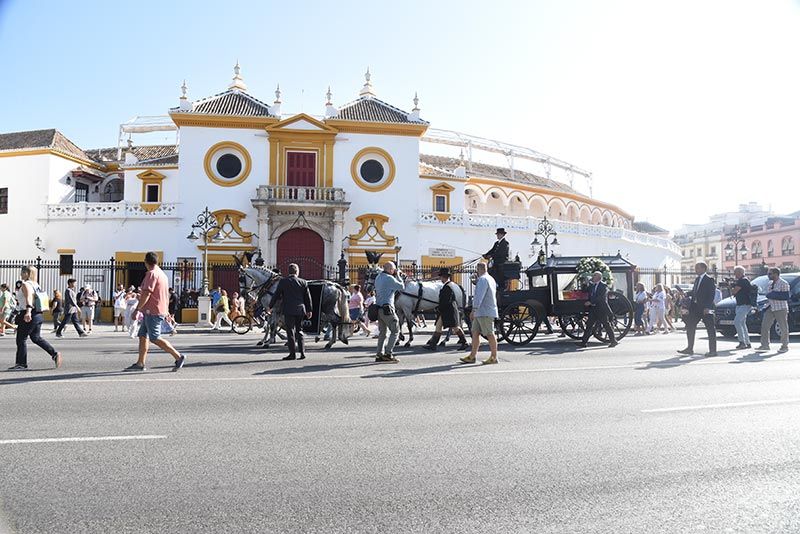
(109, 210)
(472, 220)
(291, 193)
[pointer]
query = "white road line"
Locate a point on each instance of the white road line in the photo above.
(68, 440)
(722, 405)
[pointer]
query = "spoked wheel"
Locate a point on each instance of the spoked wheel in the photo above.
(519, 324)
(242, 324)
(622, 318)
(573, 326)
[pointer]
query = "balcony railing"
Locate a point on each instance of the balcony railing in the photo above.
(531, 223)
(109, 210)
(292, 193)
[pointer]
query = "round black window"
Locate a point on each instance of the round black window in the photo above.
(229, 166)
(372, 171)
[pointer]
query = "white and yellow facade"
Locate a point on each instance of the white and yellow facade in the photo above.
(357, 176)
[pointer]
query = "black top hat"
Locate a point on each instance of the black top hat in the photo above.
(501, 231)
(444, 271)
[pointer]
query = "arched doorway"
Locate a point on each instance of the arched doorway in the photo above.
(303, 247)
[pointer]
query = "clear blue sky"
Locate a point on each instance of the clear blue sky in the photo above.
(680, 108)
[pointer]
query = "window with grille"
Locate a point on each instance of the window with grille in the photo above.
(81, 192)
(441, 203)
(3, 200)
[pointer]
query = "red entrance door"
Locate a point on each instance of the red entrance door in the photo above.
(301, 169)
(305, 248)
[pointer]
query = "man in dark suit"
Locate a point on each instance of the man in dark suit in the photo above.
(599, 311)
(449, 316)
(498, 255)
(70, 310)
(293, 293)
(701, 308)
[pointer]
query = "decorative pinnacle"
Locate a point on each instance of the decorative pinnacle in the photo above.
(416, 102)
(184, 88)
(329, 96)
(238, 82)
(367, 89)
(278, 94)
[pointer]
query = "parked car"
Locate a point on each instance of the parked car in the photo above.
(726, 309)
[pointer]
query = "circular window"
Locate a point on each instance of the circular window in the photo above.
(227, 164)
(372, 169)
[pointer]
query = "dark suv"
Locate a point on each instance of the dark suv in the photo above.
(726, 309)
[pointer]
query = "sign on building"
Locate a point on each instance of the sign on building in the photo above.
(442, 252)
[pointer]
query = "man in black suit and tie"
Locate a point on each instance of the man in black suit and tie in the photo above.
(701, 308)
(293, 293)
(599, 311)
(498, 255)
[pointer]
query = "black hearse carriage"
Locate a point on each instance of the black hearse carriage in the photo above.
(556, 290)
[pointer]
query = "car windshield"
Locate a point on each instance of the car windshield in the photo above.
(762, 282)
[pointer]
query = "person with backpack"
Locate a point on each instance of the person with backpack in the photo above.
(31, 300)
(742, 291)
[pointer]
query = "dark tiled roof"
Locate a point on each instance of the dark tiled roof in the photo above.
(146, 152)
(165, 160)
(229, 103)
(373, 110)
(50, 138)
(648, 228)
(494, 171)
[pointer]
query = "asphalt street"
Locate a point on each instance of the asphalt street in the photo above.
(553, 439)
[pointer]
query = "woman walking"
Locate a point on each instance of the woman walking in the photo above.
(29, 320)
(658, 306)
(223, 309)
(355, 306)
(640, 300)
(56, 305)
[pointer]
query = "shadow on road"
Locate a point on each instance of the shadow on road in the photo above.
(754, 357)
(21, 377)
(677, 361)
(419, 371)
(316, 368)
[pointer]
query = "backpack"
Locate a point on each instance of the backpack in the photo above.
(754, 295)
(41, 300)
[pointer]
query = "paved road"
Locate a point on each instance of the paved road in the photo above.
(551, 440)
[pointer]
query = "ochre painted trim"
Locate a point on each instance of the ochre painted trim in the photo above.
(52, 152)
(284, 124)
(217, 121)
(367, 220)
(442, 178)
(235, 217)
(442, 189)
(379, 128)
(135, 257)
(163, 168)
(65, 251)
(151, 177)
(232, 248)
(357, 178)
(248, 164)
(551, 192)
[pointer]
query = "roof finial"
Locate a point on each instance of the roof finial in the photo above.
(367, 89)
(329, 95)
(416, 102)
(183, 90)
(238, 82)
(330, 111)
(278, 94)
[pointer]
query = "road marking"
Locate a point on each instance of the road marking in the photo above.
(722, 405)
(68, 440)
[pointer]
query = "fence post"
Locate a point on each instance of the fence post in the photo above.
(38, 263)
(342, 265)
(111, 279)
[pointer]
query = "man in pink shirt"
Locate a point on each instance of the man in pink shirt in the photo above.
(154, 305)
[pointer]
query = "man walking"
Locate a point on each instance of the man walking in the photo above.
(386, 284)
(70, 310)
(599, 311)
(293, 293)
(449, 317)
(153, 304)
(742, 292)
(484, 312)
(701, 308)
(777, 310)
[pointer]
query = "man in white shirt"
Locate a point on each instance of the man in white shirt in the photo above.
(484, 312)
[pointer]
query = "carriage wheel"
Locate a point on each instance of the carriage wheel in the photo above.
(573, 326)
(519, 324)
(242, 324)
(622, 319)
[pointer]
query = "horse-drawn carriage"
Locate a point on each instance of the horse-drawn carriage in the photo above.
(555, 289)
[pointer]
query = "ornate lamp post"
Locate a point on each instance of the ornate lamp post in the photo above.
(206, 223)
(735, 244)
(546, 231)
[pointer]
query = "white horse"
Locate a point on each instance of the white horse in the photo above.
(420, 297)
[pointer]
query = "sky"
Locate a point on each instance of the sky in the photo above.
(681, 108)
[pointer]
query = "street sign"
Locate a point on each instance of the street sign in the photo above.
(442, 252)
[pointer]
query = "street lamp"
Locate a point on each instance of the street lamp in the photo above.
(735, 244)
(206, 223)
(545, 230)
(38, 243)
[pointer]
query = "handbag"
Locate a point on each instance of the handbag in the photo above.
(372, 312)
(41, 300)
